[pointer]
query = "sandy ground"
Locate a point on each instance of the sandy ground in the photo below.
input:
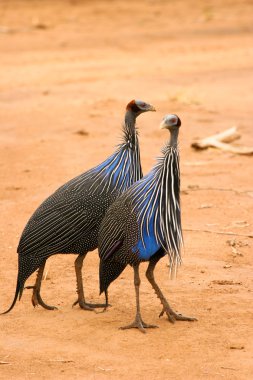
(72, 66)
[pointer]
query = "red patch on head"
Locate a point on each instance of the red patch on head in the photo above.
(130, 105)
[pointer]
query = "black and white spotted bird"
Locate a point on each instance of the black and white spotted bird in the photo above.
(144, 224)
(68, 221)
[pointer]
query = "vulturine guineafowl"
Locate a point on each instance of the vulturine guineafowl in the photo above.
(68, 221)
(144, 224)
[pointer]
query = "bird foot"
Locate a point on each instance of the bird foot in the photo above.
(106, 305)
(138, 323)
(37, 300)
(173, 316)
(89, 306)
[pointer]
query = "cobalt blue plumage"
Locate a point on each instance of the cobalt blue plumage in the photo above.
(68, 221)
(144, 224)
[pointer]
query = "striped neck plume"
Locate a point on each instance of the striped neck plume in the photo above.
(169, 207)
(122, 168)
(156, 202)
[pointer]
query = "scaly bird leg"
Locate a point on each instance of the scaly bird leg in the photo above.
(171, 314)
(138, 322)
(36, 297)
(80, 291)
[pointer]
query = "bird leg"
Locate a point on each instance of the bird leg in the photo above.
(106, 303)
(171, 314)
(36, 297)
(80, 291)
(138, 322)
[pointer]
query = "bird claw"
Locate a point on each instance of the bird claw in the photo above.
(99, 305)
(138, 323)
(173, 316)
(37, 300)
(180, 317)
(170, 316)
(89, 306)
(104, 309)
(83, 305)
(161, 314)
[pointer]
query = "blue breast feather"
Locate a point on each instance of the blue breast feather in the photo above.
(146, 208)
(156, 204)
(118, 172)
(147, 247)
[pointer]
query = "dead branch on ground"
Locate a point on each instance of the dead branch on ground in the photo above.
(222, 141)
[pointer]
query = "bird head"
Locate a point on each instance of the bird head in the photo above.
(138, 107)
(170, 122)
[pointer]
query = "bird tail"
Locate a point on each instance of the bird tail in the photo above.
(19, 291)
(109, 270)
(30, 266)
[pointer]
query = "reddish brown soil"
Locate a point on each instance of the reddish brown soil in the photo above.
(71, 66)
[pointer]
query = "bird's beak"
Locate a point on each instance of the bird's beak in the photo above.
(151, 108)
(163, 125)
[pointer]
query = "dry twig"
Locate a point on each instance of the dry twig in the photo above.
(221, 141)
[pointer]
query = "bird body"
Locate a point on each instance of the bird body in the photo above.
(146, 218)
(144, 223)
(68, 221)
